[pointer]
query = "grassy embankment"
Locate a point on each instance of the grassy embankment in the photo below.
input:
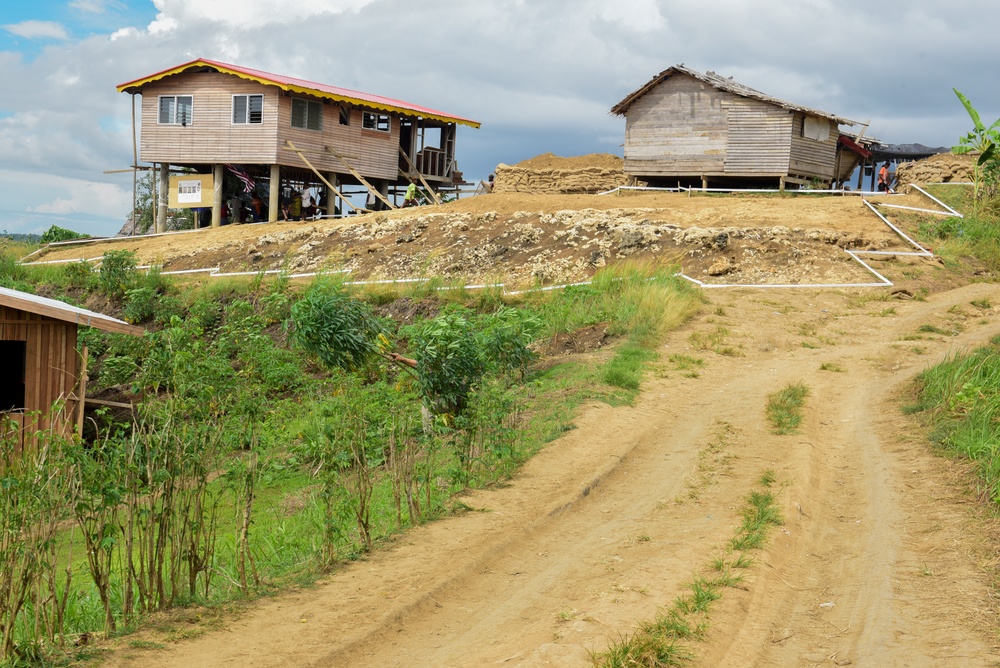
(253, 466)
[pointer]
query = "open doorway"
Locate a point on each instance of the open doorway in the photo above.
(12, 354)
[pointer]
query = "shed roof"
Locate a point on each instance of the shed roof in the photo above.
(726, 84)
(51, 308)
(294, 85)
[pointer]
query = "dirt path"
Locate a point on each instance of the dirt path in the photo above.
(611, 521)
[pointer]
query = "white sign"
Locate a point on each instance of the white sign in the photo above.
(189, 192)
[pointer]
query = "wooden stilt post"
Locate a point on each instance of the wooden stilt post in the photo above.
(161, 204)
(217, 196)
(322, 178)
(274, 194)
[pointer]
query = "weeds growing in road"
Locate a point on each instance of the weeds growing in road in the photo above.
(784, 408)
(661, 642)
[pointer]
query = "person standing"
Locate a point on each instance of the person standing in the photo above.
(410, 199)
(883, 178)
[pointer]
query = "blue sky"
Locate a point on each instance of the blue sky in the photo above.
(541, 75)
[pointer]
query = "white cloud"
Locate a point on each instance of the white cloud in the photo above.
(249, 14)
(636, 15)
(37, 30)
(95, 6)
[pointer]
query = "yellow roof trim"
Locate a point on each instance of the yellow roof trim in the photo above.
(303, 90)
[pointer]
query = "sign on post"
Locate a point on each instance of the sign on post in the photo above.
(190, 191)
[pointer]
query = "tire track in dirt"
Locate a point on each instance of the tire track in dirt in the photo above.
(612, 520)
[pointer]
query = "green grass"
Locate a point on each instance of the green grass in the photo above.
(961, 399)
(665, 641)
(784, 408)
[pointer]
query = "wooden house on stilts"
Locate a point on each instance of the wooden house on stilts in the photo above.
(704, 130)
(42, 376)
(277, 132)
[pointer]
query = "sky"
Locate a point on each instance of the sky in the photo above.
(540, 75)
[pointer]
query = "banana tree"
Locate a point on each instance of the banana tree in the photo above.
(982, 140)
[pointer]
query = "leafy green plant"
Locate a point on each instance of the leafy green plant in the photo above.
(56, 233)
(117, 274)
(340, 330)
(982, 140)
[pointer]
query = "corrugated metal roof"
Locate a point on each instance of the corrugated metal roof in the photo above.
(726, 84)
(294, 85)
(52, 308)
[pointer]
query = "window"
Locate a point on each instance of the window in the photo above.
(248, 109)
(175, 109)
(307, 114)
(345, 116)
(371, 121)
(12, 375)
(816, 128)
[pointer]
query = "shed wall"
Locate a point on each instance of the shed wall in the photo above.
(52, 364)
(759, 138)
(679, 127)
(811, 158)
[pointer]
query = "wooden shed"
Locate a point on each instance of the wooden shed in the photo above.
(705, 130)
(39, 362)
(208, 117)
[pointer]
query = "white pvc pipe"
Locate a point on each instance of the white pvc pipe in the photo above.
(913, 208)
(923, 251)
(942, 204)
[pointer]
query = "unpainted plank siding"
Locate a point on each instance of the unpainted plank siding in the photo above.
(677, 128)
(372, 153)
(759, 138)
(52, 364)
(811, 158)
(213, 138)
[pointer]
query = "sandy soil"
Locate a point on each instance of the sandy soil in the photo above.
(879, 561)
(524, 239)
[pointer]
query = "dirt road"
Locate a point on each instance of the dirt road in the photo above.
(877, 563)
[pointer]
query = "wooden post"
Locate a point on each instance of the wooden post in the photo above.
(82, 391)
(321, 177)
(161, 208)
(414, 170)
(378, 192)
(217, 195)
(332, 196)
(274, 194)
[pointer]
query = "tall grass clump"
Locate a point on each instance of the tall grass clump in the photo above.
(976, 235)
(962, 398)
(639, 302)
(784, 408)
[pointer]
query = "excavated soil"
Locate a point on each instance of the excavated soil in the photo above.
(530, 239)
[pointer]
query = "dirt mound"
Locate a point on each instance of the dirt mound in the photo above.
(522, 240)
(592, 161)
(940, 168)
(548, 173)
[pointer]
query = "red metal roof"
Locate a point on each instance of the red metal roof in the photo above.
(302, 86)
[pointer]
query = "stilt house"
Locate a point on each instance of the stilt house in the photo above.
(40, 366)
(275, 131)
(706, 130)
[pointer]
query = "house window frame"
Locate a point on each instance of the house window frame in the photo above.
(247, 111)
(173, 112)
(310, 104)
(370, 120)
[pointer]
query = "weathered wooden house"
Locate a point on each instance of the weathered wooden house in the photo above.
(40, 365)
(706, 130)
(209, 116)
